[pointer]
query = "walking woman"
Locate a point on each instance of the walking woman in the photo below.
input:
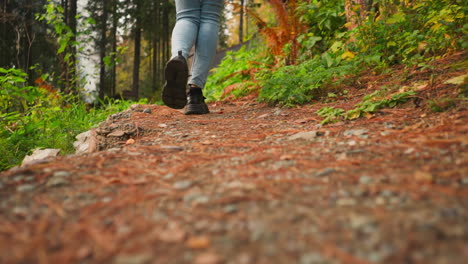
(197, 25)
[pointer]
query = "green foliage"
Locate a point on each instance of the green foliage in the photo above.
(413, 33)
(298, 84)
(325, 20)
(330, 114)
(369, 104)
(31, 117)
(378, 100)
(441, 104)
(237, 67)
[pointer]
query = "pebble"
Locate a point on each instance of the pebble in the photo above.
(380, 201)
(1, 185)
(346, 202)
(360, 132)
(306, 135)
(464, 181)
(133, 259)
(366, 180)
(62, 174)
(181, 185)
(311, 258)
(168, 176)
(196, 198)
(147, 111)
(231, 208)
(325, 172)
(26, 188)
(57, 182)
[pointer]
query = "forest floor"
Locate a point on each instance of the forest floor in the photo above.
(250, 183)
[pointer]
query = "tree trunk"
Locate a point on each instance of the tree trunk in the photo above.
(241, 22)
(72, 63)
(115, 20)
(102, 52)
(136, 57)
(355, 12)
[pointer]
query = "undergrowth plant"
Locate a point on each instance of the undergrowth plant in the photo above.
(411, 33)
(370, 104)
(33, 117)
(237, 68)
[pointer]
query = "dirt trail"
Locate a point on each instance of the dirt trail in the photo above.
(244, 185)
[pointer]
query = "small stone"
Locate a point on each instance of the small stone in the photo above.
(325, 172)
(1, 185)
(172, 148)
(464, 181)
(61, 174)
(181, 185)
(147, 111)
(57, 182)
(311, 258)
(133, 259)
(20, 211)
(409, 151)
(360, 132)
(346, 202)
(387, 193)
(366, 180)
(196, 198)
(25, 188)
(229, 209)
(306, 135)
(39, 155)
(173, 234)
(118, 133)
(380, 201)
(168, 176)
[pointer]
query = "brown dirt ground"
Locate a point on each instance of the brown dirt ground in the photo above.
(233, 187)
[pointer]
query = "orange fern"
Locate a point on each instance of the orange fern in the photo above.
(288, 29)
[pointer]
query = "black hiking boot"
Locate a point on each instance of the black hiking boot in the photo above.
(176, 75)
(196, 102)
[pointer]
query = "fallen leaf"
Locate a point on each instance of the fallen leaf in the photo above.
(207, 258)
(286, 157)
(457, 80)
(423, 177)
(199, 242)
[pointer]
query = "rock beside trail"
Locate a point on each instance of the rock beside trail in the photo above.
(39, 155)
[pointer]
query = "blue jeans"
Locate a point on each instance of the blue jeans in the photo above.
(197, 24)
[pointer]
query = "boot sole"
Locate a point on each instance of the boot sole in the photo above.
(174, 90)
(196, 109)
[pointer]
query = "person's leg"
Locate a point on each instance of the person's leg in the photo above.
(183, 37)
(206, 42)
(186, 28)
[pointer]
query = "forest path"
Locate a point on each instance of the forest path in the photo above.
(248, 183)
(240, 185)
